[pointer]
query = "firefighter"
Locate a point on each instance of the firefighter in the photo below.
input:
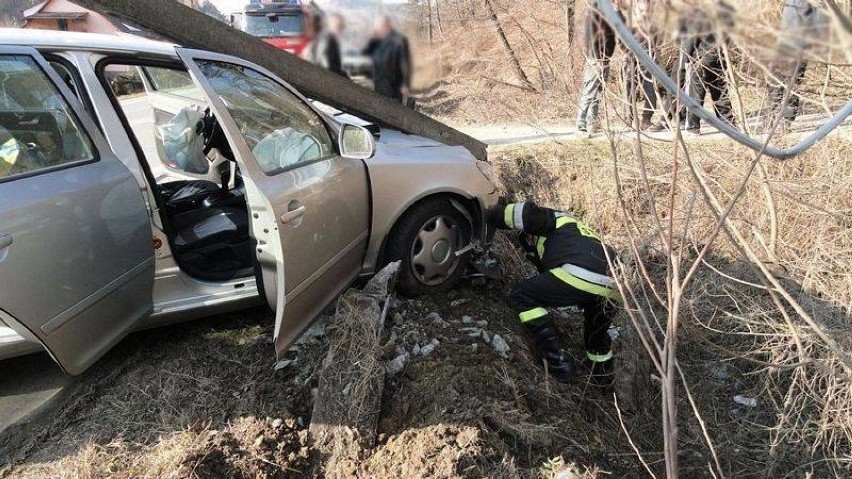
(574, 271)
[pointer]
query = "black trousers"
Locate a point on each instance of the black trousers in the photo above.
(640, 89)
(708, 75)
(548, 291)
(792, 72)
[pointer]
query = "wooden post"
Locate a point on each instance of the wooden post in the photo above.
(194, 29)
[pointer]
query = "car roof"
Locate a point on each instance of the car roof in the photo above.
(84, 41)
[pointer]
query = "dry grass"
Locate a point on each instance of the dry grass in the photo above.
(466, 75)
(796, 216)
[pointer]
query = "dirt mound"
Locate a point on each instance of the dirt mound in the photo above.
(253, 447)
(460, 408)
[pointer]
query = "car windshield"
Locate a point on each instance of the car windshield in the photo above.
(279, 128)
(271, 25)
(37, 129)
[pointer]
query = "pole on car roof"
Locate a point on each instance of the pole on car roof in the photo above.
(193, 29)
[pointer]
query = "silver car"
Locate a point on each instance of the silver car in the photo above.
(142, 183)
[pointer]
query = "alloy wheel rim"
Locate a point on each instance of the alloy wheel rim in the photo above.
(433, 253)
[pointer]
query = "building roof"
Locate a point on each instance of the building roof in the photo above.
(35, 9)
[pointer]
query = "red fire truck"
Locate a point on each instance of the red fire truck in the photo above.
(287, 25)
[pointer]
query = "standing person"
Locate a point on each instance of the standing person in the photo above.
(800, 23)
(391, 60)
(324, 49)
(574, 271)
(706, 68)
(600, 42)
(637, 78)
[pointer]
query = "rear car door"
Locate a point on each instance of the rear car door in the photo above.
(309, 207)
(76, 257)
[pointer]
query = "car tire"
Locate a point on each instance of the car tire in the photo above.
(425, 241)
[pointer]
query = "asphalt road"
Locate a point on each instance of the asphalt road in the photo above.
(27, 384)
(520, 133)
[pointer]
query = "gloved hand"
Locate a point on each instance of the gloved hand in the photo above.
(527, 242)
(494, 216)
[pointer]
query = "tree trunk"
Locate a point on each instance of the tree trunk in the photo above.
(506, 45)
(570, 11)
(438, 17)
(194, 29)
(429, 18)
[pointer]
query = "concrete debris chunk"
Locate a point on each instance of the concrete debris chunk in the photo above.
(284, 363)
(397, 364)
(316, 331)
(467, 319)
(499, 344)
(486, 336)
(435, 319)
(614, 332)
(426, 350)
(745, 401)
(458, 302)
(471, 332)
(415, 351)
(482, 323)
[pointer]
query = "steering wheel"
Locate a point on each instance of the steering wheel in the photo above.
(208, 127)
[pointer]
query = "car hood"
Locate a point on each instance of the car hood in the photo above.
(405, 147)
(395, 145)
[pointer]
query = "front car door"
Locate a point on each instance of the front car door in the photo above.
(309, 207)
(76, 259)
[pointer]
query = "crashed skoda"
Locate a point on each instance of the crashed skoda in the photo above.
(143, 183)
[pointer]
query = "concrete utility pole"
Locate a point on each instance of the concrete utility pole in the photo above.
(194, 29)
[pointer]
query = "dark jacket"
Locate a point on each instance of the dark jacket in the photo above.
(697, 31)
(391, 64)
(325, 52)
(558, 237)
(600, 39)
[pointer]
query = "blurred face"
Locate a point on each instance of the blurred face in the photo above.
(382, 27)
(336, 24)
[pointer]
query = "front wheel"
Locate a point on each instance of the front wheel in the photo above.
(425, 241)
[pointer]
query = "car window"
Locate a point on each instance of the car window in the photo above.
(164, 121)
(281, 130)
(66, 76)
(37, 127)
(173, 81)
(265, 25)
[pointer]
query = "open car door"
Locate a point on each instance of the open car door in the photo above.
(76, 256)
(309, 208)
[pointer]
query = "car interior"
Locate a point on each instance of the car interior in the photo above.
(201, 193)
(35, 130)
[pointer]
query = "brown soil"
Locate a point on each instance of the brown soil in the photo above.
(203, 400)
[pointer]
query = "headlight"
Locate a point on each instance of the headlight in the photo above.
(488, 171)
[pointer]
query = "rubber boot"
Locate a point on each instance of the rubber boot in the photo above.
(547, 339)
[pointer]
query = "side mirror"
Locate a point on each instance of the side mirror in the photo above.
(356, 142)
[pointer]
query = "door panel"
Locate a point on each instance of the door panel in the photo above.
(309, 207)
(78, 269)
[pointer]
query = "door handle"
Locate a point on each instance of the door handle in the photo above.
(293, 214)
(5, 240)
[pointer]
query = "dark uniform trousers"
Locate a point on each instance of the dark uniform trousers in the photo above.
(574, 272)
